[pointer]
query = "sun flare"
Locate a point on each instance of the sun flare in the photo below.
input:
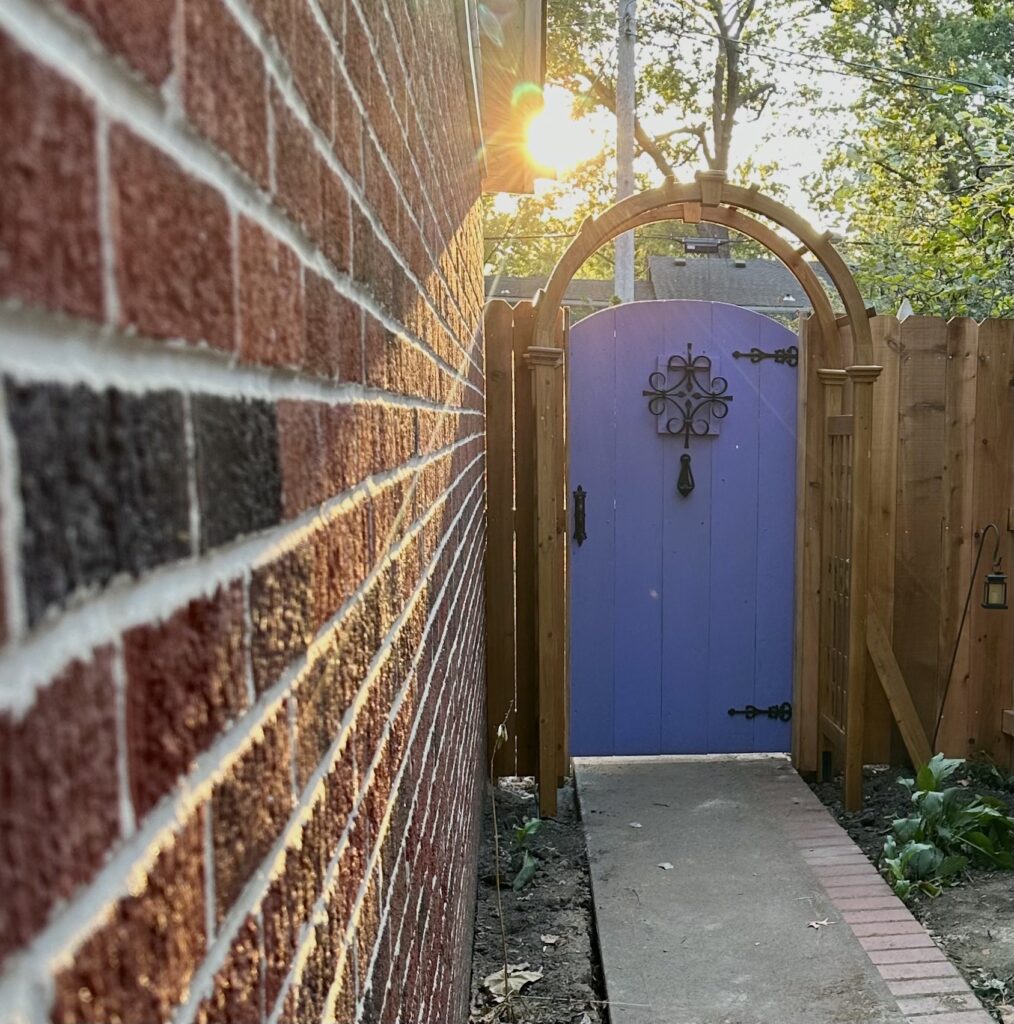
(555, 140)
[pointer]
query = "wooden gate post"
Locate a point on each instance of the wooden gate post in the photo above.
(862, 378)
(546, 364)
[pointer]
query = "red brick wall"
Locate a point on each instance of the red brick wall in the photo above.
(241, 512)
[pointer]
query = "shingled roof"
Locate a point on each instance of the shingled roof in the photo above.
(763, 285)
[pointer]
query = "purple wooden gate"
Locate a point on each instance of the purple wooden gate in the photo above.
(681, 603)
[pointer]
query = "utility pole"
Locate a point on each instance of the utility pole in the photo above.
(626, 80)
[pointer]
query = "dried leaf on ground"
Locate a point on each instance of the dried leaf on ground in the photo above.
(518, 976)
(550, 940)
(819, 924)
(666, 866)
(636, 824)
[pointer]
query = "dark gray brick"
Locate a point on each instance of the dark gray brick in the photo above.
(238, 482)
(103, 484)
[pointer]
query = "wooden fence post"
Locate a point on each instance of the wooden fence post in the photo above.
(547, 390)
(500, 621)
(862, 378)
(833, 386)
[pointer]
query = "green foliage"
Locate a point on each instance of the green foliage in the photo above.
(923, 179)
(529, 862)
(523, 833)
(949, 831)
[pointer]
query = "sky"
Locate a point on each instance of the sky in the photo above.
(776, 138)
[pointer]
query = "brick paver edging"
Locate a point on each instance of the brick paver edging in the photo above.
(926, 985)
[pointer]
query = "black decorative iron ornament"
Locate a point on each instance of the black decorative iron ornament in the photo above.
(690, 399)
(580, 535)
(695, 396)
(780, 712)
(788, 356)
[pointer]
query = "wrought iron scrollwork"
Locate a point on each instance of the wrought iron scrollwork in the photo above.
(695, 396)
(779, 712)
(787, 356)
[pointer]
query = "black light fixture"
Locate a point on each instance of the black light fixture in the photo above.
(994, 598)
(994, 590)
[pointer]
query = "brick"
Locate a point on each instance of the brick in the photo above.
(860, 903)
(172, 240)
(336, 223)
(281, 612)
(914, 940)
(309, 55)
(271, 299)
(236, 997)
(249, 809)
(346, 440)
(50, 252)
(342, 559)
(922, 955)
(348, 136)
(139, 32)
(332, 331)
(304, 481)
(323, 695)
(939, 1004)
(887, 929)
(225, 86)
(103, 484)
(298, 170)
(138, 964)
(58, 795)
(926, 986)
(238, 479)
(901, 972)
(185, 682)
(957, 1017)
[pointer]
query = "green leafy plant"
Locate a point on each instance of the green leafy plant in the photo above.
(529, 862)
(949, 831)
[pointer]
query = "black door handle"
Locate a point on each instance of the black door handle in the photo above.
(580, 534)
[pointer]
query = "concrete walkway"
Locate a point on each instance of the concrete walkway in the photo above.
(725, 937)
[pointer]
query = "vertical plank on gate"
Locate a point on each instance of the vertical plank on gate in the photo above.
(883, 503)
(526, 686)
(809, 497)
(560, 469)
(957, 542)
(500, 639)
(990, 632)
(547, 389)
(920, 506)
(862, 378)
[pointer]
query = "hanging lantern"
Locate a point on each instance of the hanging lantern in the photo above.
(994, 591)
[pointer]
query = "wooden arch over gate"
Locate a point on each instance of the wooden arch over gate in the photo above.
(710, 198)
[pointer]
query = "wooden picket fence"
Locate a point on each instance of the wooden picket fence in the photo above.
(903, 463)
(941, 458)
(523, 396)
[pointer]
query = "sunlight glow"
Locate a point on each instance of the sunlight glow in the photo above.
(556, 142)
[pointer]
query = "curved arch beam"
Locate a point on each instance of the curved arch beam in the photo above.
(761, 233)
(709, 191)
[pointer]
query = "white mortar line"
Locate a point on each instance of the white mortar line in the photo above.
(73, 51)
(110, 294)
(26, 668)
(27, 976)
(128, 823)
(210, 896)
(257, 887)
(38, 345)
(248, 632)
(11, 524)
(190, 448)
